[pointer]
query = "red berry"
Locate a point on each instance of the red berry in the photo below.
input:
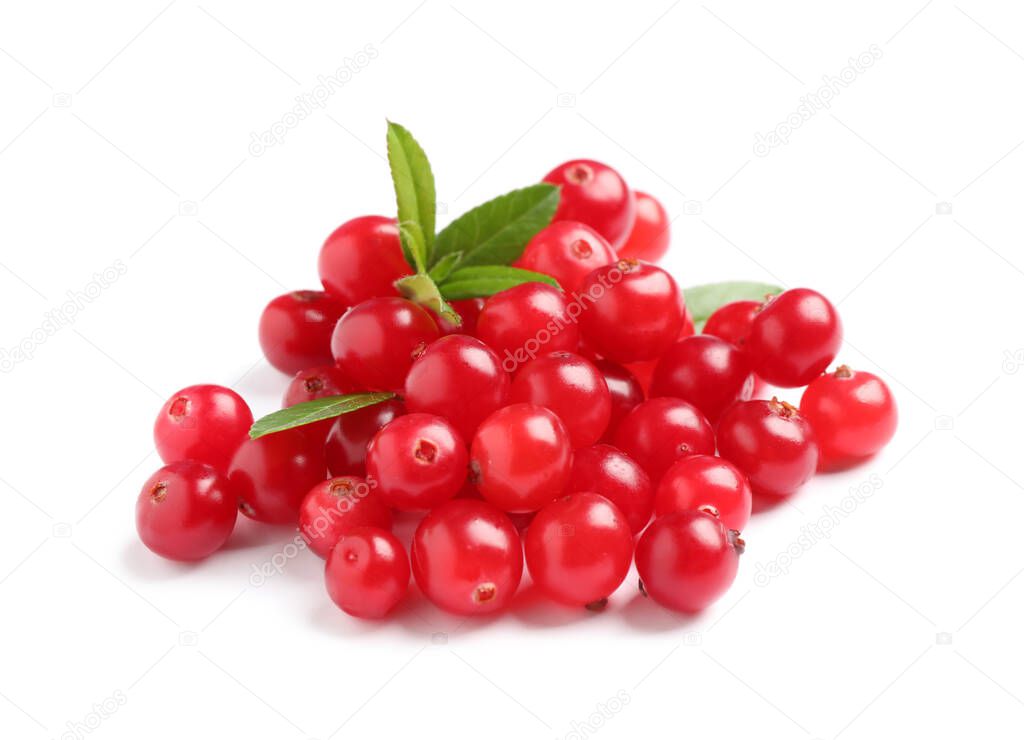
(649, 238)
(594, 194)
(794, 338)
(700, 481)
(853, 415)
(468, 310)
(625, 390)
(688, 329)
(186, 511)
(771, 443)
(362, 259)
(205, 423)
(615, 475)
(521, 457)
(570, 386)
(367, 572)
(660, 431)
(295, 329)
(351, 433)
(567, 251)
(707, 371)
(732, 321)
(418, 461)
(687, 559)
(273, 473)
(317, 382)
(467, 557)
(521, 322)
(578, 549)
(336, 506)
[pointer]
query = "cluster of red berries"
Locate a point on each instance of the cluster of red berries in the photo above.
(550, 426)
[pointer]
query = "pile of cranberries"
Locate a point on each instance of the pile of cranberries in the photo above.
(577, 430)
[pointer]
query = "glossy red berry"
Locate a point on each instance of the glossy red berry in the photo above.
(732, 321)
(468, 310)
(317, 382)
(595, 194)
(205, 423)
(771, 443)
(700, 481)
(336, 506)
(794, 338)
(295, 329)
(185, 511)
(568, 251)
(467, 557)
(853, 414)
(367, 572)
(660, 431)
(527, 320)
(362, 259)
(650, 235)
(625, 390)
(351, 433)
(273, 473)
(707, 371)
(687, 560)
(615, 475)
(578, 549)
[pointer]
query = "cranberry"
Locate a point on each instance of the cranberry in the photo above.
(367, 572)
(567, 251)
(596, 195)
(317, 382)
(794, 338)
(362, 259)
(660, 431)
(687, 559)
(578, 549)
(643, 372)
(519, 322)
(521, 457)
(570, 386)
(732, 321)
(625, 390)
(467, 557)
(853, 415)
(615, 475)
(351, 433)
(707, 371)
(771, 443)
(186, 511)
(700, 481)
(688, 329)
(205, 423)
(273, 473)
(295, 329)
(468, 310)
(650, 235)
(336, 506)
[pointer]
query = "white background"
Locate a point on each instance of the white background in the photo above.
(124, 144)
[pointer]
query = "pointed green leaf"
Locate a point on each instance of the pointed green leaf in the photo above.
(704, 300)
(310, 411)
(486, 280)
(422, 290)
(444, 266)
(413, 245)
(414, 183)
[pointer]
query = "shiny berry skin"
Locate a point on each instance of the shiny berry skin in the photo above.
(336, 506)
(659, 431)
(186, 511)
(626, 392)
(771, 443)
(351, 433)
(853, 415)
(594, 194)
(418, 461)
(578, 549)
(612, 473)
(634, 313)
(467, 557)
(707, 371)
(295, 329)
(521, 322)
(704, 481)
(459, 378)
(205, 423)
(367, 572)
(521, 458)
(650, 235)
(468, 310)
(272, 474)
(732, 321)
(568, 251)
(376, 342)
(362, 259)
(317, 382)
(687, 560)
(794, 338)
(573, 388)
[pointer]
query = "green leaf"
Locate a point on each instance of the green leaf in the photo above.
(309, 411)
(486, 280)
(423, 290)
(704, 300)
(414, 183)
(444, 266)
(414, 245)
(496, 232)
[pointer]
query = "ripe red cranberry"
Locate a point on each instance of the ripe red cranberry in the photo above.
(295, 329)
(687, 560)
(467, 557)
(521, 322)
(578, 549)
(625, 390)
(568, 251)
(317, 382)
(205, 423)
(615, 475)
(185, 511)
(362, 259)
(418, 461)
(707, 371)
(351, 433)
(468, 310)
(687, 329)
(594, 194)
(367, 572)
(649, 238)
(635, 311)
(853, 415)
(732, 321)
(570, 386)
(273, 473)
(521, 457)
(771, 443)
(700, 481)
(660, 431)
(336, 506)
(794, 338)
(459, 378)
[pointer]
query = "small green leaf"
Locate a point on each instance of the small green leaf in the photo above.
(413, 245)
(422, 290)
(414, 183)
(486, 280)
(444, 267)
(496, 232)
(704, 300)
(309, 411)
